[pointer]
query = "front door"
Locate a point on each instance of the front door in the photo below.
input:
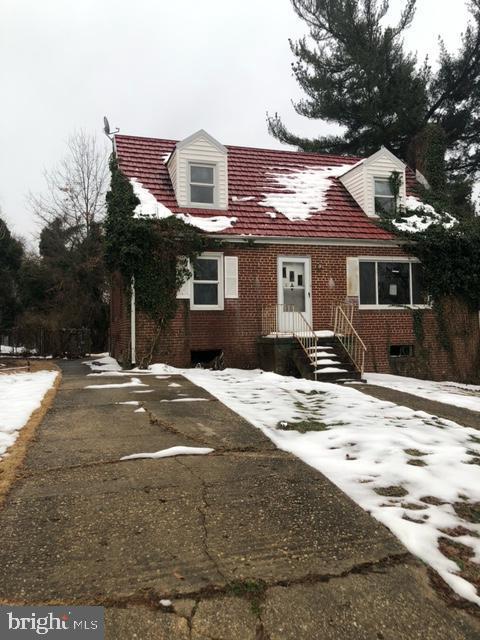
(294, 291)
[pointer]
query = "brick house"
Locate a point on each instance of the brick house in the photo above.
(302, 260)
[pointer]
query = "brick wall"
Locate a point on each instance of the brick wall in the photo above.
(236, 329)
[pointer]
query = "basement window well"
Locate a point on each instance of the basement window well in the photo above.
(208, 359)
(401, 351)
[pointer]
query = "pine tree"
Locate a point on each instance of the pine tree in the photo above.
(11, 252)
(356, 73)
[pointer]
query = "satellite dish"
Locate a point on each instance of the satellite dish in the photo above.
(107, 130)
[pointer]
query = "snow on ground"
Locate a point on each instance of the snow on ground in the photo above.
(134, 382)
(186, 400)
(170, 452)
(7, 350)
(304, 191)
(413, 472)
(103, 362)
(20, 395)
(460, 395)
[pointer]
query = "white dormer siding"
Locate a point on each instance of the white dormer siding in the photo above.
(199, 149)
(360, 179)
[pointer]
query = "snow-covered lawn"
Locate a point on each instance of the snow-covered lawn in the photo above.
(20, 395)
(416, 473)
(460, 395)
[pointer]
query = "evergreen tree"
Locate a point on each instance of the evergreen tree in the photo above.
(356, 73)
(64, 287)
(11, 252)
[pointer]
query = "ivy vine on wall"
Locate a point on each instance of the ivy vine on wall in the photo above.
(154, 253)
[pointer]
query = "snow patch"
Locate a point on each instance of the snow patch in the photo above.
(303, 191)
(103, 363)
(20, 395)
(424, 219)
(365, 446)
(466, 396)
(134, 382)
(150, 207)
(170, 452)
(186, 400)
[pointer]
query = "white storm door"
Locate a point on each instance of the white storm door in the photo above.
(294, 291)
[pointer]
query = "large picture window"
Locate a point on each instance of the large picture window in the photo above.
(390, 283)
(207, 283)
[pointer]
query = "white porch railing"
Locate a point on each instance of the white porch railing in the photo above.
(348, 337)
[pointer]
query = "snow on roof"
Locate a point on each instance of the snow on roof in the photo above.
(304, 191)
(427, 216)
(325, 211)
(150, 207)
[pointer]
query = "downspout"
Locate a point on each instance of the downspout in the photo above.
(133, 336)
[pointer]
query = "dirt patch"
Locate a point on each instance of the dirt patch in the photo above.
(405, 517)
(393, 492)
(469, 511)
(458, 532)
(413, 506)
(432, 500)
(11, 464)
(415, 453)
(417, 463)
(462, 555)
(304, 426)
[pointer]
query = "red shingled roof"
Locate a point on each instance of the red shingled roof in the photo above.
(249, 174)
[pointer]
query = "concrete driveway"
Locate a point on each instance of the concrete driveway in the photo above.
(246, 543)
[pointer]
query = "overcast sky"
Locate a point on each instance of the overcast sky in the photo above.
(161, 68)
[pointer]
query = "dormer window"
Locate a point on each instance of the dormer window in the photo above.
(202, 184)
(384, 198)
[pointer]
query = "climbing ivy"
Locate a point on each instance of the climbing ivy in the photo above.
(396, 182)
(154, 253)
(449, 253)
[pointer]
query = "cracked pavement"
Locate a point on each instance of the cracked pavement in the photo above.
(247, 543)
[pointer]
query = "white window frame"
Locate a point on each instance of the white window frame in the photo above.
(388, 307)
(219, 282)
(380, 179)
(202, 205)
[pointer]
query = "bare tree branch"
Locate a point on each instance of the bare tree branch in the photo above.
(76, 187)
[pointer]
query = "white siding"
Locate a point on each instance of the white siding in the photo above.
(354, 181)
(360, 181)
(381, 168)
(200, 149)
(172, 170)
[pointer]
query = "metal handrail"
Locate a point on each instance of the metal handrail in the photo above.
(348, 308)
(349, 338)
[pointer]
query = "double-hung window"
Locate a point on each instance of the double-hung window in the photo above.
(207, 283)
(384, 198)
(385, 283)
(202, 184)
